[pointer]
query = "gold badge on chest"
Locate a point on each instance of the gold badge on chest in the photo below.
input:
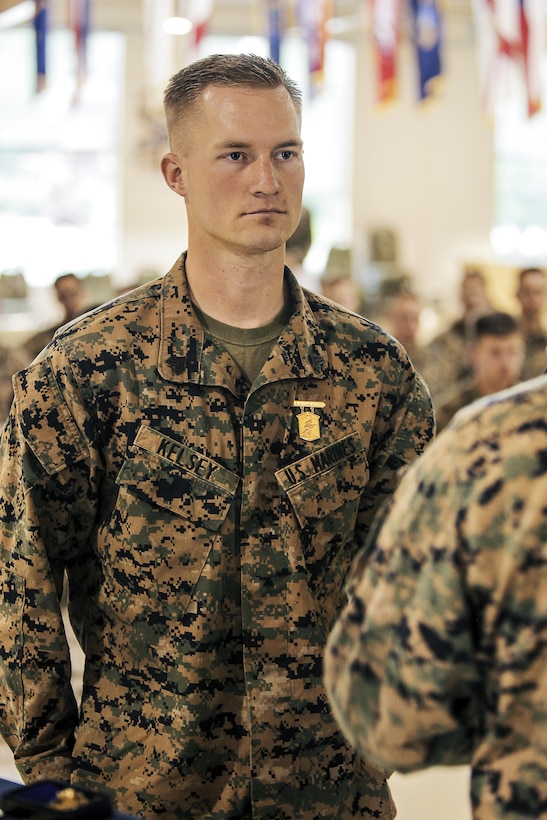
(308, 420)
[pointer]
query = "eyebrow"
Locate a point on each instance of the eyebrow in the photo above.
(238, 146)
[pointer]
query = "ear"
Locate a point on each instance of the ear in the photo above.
(172, 173)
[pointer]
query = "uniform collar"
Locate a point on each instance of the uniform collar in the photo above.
(186, 356)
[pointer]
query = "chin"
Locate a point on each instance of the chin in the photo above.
(270, 244)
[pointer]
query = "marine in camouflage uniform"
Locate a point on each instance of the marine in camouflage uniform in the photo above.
(206, 517)
(440, 655)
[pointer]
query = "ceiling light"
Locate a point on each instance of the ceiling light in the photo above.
(177, 25)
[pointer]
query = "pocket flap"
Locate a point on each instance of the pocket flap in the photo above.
(173, 476)
(327, 479)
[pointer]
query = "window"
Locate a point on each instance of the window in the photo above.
(520, 180)
(58, 156)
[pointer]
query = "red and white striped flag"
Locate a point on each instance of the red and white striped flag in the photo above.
(532, 23)
(313, 17)
(385, 28)
(78, 18)
(509, 33)
(200, 13)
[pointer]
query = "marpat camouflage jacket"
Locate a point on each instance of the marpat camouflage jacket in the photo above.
(207, 528)
(440, 658)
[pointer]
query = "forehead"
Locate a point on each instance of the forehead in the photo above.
(473, 283)
(68, 285)
(408, 305)
(533, 281)
(491, 342)
(246, 107)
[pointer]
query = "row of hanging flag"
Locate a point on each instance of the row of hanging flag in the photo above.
(424, 22)
(79, 13)
(508, 34)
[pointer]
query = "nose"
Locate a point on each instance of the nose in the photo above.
(265, 181)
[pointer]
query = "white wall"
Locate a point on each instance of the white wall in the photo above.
(425, 169)
(153, 230)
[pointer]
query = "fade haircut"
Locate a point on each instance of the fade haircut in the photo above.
(244, 70)
(497, 323)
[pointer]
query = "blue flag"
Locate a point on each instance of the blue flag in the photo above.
(40, 28)
(426, 25)
(275, 28)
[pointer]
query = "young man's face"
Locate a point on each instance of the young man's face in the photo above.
(69, 292)
(497, 362)
(405, 318)
(532, 294)
(473, 294)
(241, 169)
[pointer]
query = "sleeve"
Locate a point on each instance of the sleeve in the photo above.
(400, 665)
(46, 513)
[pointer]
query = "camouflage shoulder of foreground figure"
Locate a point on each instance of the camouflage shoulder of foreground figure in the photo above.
(403, 668)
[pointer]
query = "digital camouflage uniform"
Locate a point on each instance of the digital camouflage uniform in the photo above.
(206, 530)
(440, 657)
(535, 356)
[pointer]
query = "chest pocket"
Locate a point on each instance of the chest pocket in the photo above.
(176, 478)
(327, 480)
(171, 504)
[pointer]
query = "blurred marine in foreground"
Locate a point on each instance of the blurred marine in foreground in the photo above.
(440, 656)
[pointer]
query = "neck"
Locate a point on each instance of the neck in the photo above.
(531, 323)
(242, 292)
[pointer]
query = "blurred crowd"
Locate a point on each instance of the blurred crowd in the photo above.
(481, 351)
(485, 349)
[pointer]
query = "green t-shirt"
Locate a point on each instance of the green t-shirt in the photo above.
(249, 347)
